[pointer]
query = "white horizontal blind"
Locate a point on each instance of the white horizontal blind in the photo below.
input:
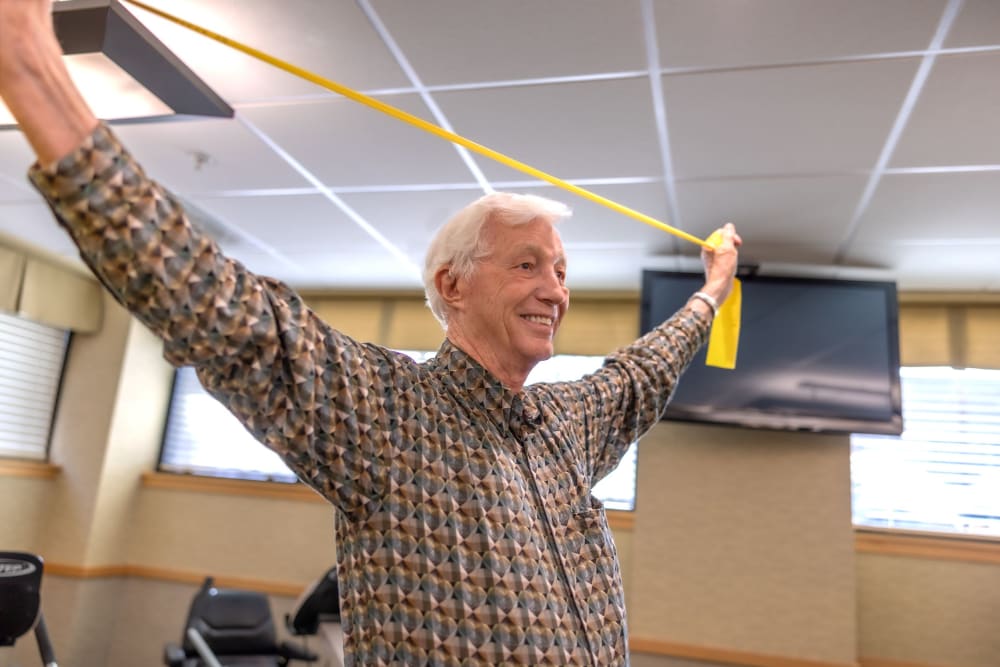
(203, 438)
(942, 474)
(31, 363)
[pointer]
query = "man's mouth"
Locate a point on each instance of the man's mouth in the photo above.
(539, 319)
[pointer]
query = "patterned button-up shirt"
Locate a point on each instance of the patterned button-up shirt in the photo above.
(467, 533)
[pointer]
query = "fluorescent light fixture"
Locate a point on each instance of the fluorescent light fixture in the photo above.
(123, 70)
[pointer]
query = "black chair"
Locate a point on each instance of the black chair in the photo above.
(233, 628)
(20, 602)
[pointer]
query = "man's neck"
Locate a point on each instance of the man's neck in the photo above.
(513, 379)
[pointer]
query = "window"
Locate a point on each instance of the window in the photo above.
(617, 490)
(202, 437)
(942, 474)
(31, 363)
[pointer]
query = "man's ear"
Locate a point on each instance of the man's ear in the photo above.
(448, 286)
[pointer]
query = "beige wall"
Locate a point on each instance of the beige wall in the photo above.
(741, 546)
(744, 542)
(929, 611)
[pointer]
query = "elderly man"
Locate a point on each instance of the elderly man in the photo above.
(466, 529)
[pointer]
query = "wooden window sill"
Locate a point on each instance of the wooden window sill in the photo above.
(972, 549)
(23, 468)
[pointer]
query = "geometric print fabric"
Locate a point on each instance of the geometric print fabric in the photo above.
(466, 529)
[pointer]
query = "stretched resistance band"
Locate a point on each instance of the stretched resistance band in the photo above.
(724, 338)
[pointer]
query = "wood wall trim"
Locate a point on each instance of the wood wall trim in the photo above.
(152, 573)
(75, 571)
(949, 298)
(230, 487)
(882, 662)
(621, 520)
(925, 546)
(293, 590)
(724, 655)
(617, 519)
(20, 468)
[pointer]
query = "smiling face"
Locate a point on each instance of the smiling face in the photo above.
(507, 312)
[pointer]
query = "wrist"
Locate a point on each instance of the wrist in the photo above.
(716, 290)
(710, 301)
(28, 43)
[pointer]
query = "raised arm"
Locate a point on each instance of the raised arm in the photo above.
(302, 388)
(626, 397)
(35, 84)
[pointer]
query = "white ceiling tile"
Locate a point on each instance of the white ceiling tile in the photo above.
(302, 232)
(355, 270)
(331, 39)
(596, 227)
(576, 130)
(826, 119)
(288, 223)
(958, 267)
(927, 224)
(783, 151)
(978, 24)
(600, 269)
(16, 157)
(15, 190)
(956, 121)
(462, 41)
(206, 155)
(595, 237)
(780, 219)
(336, 270)
(410, 219)
(713, 33)
(908, 207)
(348, 144)
(34, 224)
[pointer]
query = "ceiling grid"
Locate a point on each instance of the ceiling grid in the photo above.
(857, 138)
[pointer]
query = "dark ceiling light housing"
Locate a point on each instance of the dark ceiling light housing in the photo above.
(105, 27)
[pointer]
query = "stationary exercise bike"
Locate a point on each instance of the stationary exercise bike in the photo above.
(317, 612)
(20, 602)
(234, 628)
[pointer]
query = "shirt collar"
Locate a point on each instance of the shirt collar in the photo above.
(505, 407)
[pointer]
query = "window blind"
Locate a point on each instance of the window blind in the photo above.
(202, 437)
(31, 364)
(942, 473)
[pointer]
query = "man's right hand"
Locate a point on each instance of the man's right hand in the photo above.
(35, 84)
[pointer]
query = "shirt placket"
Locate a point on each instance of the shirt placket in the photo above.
(525, 435)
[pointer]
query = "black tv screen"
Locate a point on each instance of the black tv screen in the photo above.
(814, 355)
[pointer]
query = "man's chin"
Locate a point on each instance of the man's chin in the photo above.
(544, 354)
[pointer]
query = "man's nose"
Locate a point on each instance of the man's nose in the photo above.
(553, 289)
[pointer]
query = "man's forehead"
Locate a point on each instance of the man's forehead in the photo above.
(535, 248)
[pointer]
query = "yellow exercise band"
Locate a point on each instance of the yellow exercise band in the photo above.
(399, 114)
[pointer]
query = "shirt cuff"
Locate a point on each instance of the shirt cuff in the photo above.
(99, 158)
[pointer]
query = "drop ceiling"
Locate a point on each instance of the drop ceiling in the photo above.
(848, 138)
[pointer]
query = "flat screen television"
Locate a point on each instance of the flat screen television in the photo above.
(814, 354)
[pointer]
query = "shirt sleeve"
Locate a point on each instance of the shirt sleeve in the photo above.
(302, 388)
(627, 396)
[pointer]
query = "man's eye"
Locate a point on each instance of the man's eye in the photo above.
(527, 266)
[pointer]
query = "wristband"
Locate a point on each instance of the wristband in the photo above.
(709, 301)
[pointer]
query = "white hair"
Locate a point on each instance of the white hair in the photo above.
(459, 243)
